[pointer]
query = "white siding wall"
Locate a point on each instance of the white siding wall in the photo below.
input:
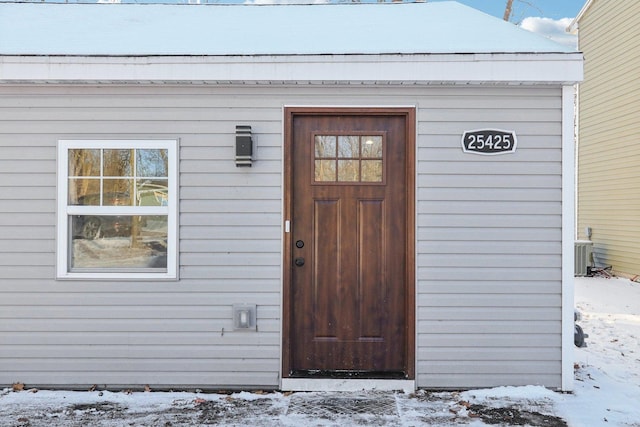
(488, 230)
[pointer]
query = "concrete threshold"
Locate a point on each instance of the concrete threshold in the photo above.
(339, 384)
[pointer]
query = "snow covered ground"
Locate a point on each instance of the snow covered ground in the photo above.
(607, 391)
(607, 387)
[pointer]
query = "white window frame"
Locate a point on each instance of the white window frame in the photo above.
(65, 210)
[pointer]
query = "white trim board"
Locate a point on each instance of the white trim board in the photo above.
(568, 234)
(476, 68)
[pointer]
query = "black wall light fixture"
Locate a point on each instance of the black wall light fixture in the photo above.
(244, 146)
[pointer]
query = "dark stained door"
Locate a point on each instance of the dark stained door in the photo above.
(349, 290)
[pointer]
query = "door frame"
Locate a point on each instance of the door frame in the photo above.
(409, 113)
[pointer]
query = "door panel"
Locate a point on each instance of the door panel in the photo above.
(326, 266)
(370, 265)
(349, 301)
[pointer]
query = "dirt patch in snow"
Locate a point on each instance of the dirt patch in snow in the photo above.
(514, 417)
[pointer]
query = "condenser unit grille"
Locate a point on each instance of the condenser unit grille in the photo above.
(583, 250)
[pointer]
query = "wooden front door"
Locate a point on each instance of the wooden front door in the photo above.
(349, 260)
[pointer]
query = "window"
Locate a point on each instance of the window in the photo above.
(117, 209)
(348, 158)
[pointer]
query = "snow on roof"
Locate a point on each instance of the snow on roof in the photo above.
(215, 29)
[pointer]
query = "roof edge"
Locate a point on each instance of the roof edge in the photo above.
(574, 26)
(277, 55)
(481, 67)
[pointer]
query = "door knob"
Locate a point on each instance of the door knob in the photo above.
(299, 261)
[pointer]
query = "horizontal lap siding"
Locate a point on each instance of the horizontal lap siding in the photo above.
(174, 333)
(608, 153)
(488, 238)
(489, 243)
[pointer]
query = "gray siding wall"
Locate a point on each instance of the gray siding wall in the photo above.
(489, 241)
(488, 238)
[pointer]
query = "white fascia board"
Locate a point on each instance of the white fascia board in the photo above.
(568, 234)
(416, 68)
(575, 24)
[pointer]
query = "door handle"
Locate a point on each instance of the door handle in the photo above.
(299, 261)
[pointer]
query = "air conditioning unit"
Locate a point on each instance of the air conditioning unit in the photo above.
(583, 253)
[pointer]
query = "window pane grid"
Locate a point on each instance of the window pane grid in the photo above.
(95, 180)
(348, 158)
(118, 212)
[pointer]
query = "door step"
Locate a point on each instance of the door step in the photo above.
(331, 384)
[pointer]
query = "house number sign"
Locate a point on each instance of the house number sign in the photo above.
(489, 141)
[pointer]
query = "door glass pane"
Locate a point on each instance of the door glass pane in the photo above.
(372, 147)
(348, 171)
(325, 146)
(348, 158)
(372, 170)
(348, 146)
(325, 170)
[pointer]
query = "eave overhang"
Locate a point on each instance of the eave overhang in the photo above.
(417, 69)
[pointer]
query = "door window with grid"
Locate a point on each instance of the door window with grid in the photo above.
(348, 159)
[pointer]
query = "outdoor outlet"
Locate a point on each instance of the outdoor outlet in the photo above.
(244, 317)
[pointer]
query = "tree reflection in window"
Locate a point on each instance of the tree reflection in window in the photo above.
(131, 179)
(348, 158)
